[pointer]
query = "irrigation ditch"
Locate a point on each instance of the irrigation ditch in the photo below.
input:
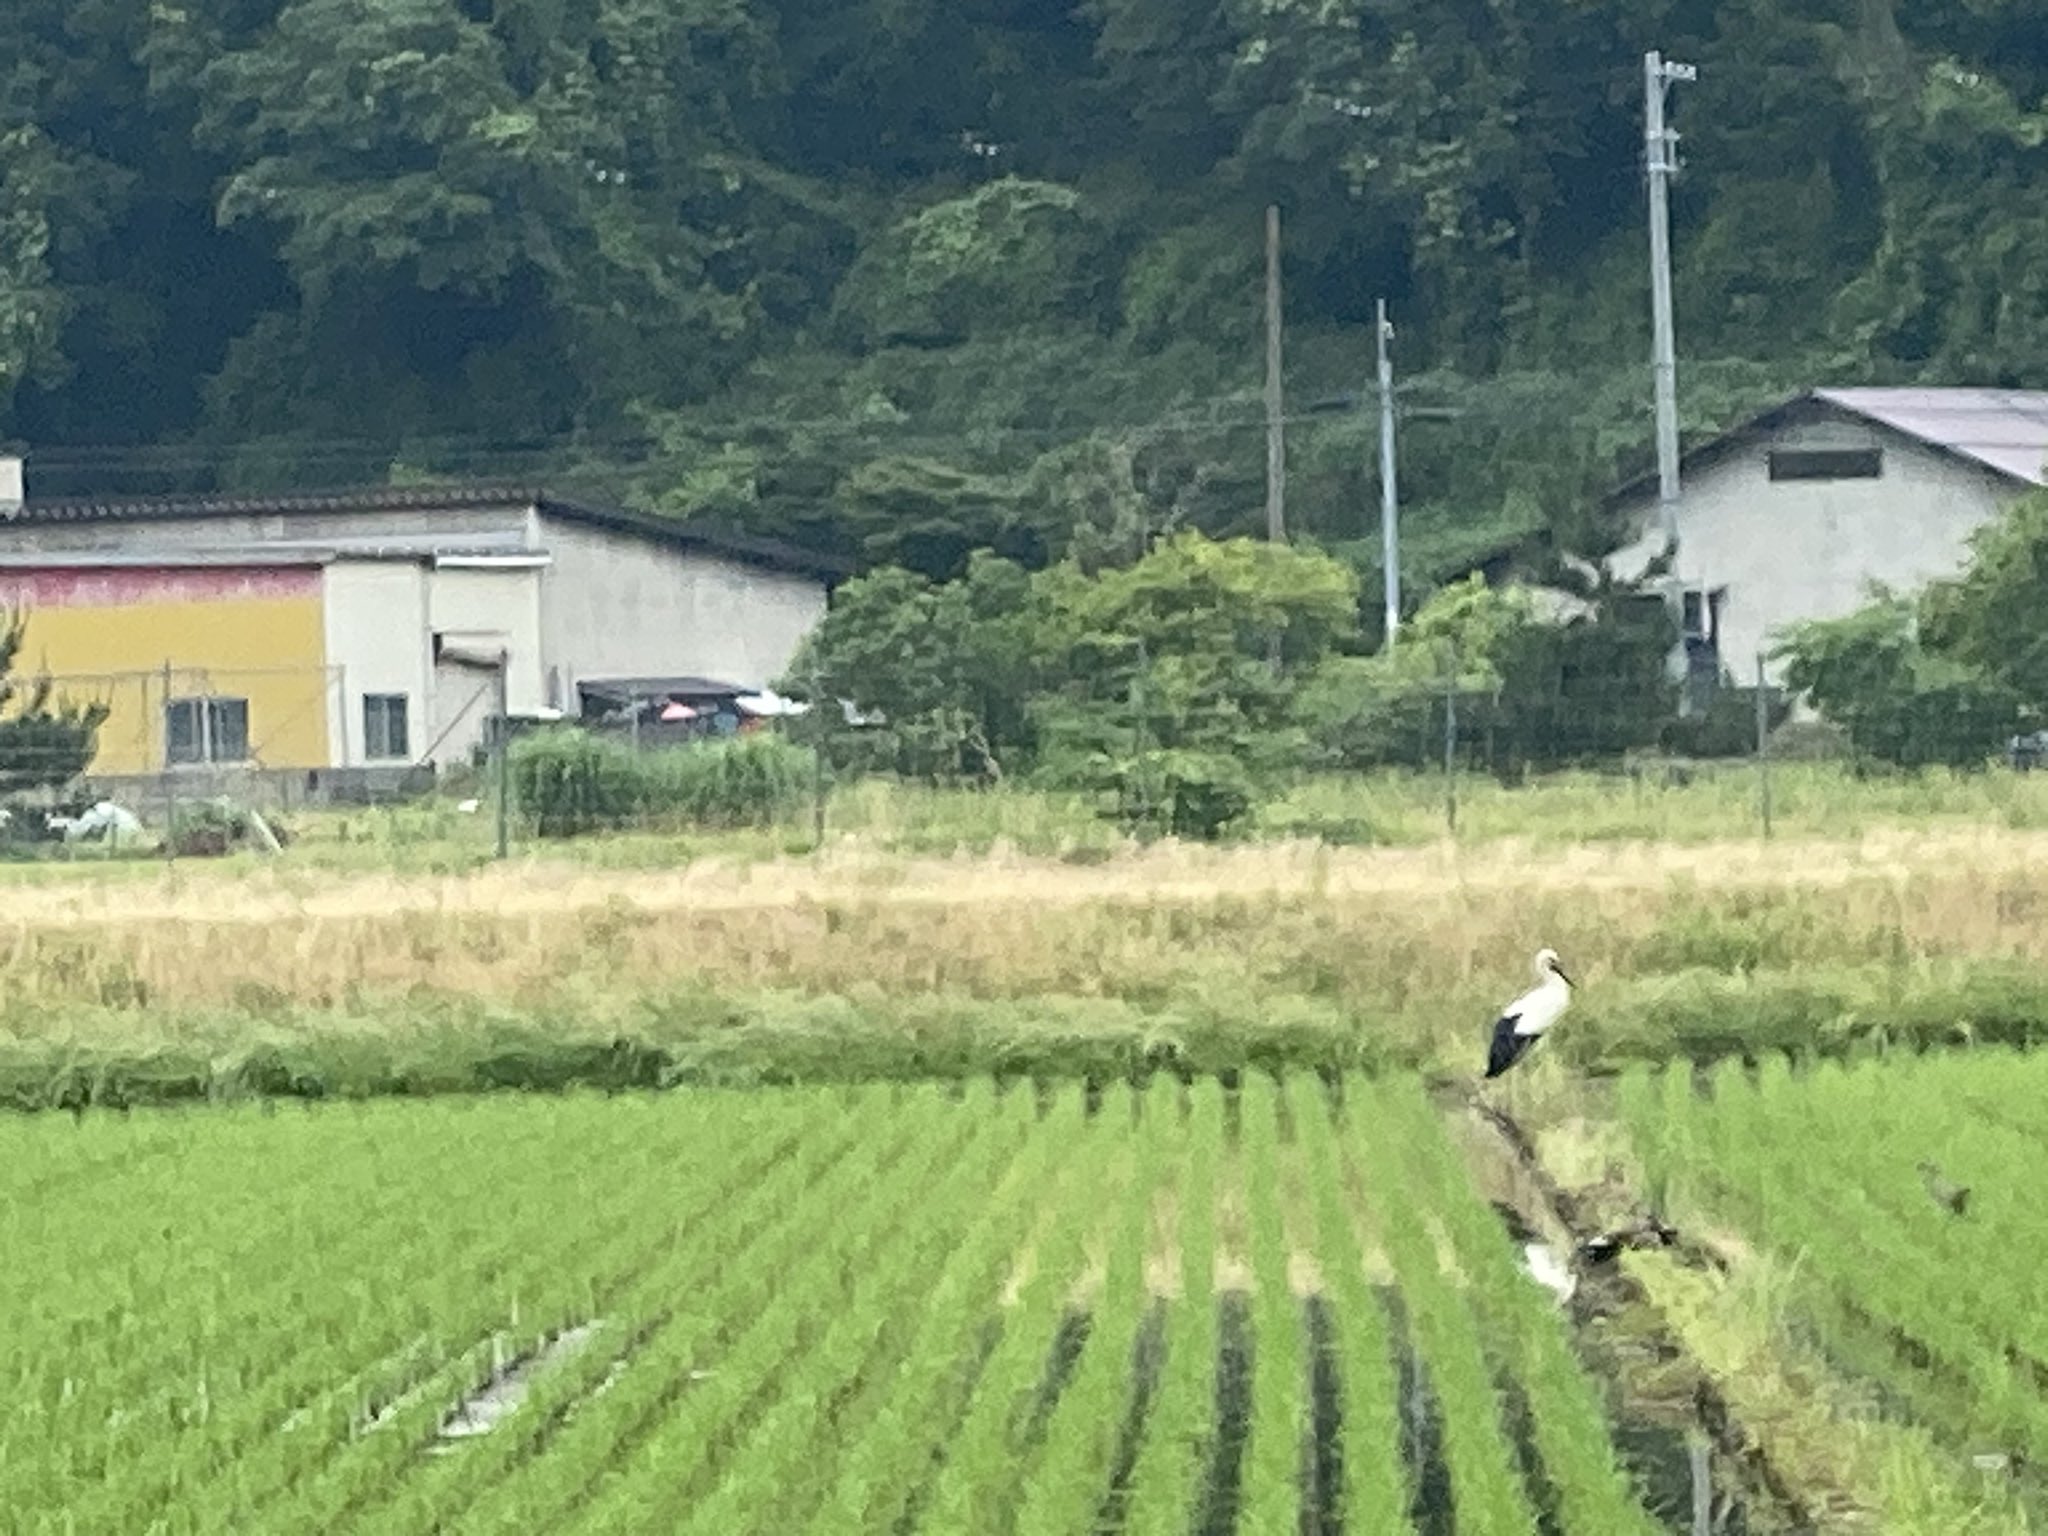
(1700, 1469)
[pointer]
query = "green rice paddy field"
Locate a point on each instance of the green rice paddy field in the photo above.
(1267, 1305)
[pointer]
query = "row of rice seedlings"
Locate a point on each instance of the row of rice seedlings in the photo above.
(1487, 1492)
(1169, 1478)
(705, 1231)
(1278, 1426)
(546, 1270)
(1374, 1493)
(646, 1490)
(128, 1447)
(766, 1484)
(1888, 1117)
(986, 1458)
(1873, 1266)
(1568, 1420)
(48, 1161)
(890, 1433)
(554, 1273)
(1780, 1181)
(1815, 1156)
(132, 1280)
(1093, 1413)
(713, 1322)
(204, 1295)
(1995, 1085)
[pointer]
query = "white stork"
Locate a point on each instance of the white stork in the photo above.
(1522, 1022)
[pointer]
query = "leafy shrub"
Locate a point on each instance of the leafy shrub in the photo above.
(211, 829)
(1898, 702)
(568, 783)
(749, 781)
(1726, 727)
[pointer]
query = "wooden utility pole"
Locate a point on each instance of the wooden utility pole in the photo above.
(1276, 431)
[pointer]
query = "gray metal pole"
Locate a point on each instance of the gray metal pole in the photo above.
(1451, 744)
(1390, 527)
(170, 772)
(1658, 159)
(504, 753)
(1661, 158)
(1276, 441)
(1763, 744)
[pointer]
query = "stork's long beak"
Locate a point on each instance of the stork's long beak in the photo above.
(1561, 975)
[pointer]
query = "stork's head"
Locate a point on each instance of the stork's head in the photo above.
(1547, 967)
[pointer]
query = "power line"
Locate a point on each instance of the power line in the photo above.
(1501, 401)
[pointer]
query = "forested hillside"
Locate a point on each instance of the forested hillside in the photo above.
(907, 277)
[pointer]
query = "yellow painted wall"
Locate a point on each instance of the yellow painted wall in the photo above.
(260, 637)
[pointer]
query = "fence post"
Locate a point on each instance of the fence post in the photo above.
(1763, 745)
(1451, 742)
(164, 766)
(1702, 1486)
(504, 752)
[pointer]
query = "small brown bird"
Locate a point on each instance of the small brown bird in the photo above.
(1955, 1196)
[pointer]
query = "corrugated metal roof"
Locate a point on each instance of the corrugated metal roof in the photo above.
(770, 553)
(2002, 429)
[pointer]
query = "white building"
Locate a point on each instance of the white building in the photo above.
(1794, 514)
(365, 629)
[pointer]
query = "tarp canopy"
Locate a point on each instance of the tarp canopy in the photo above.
(624, 690)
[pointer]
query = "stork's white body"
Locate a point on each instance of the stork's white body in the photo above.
(1548, 1271)
(1524, 1021)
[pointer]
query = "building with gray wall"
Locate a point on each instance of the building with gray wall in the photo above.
(424, 589)
(1796, 513)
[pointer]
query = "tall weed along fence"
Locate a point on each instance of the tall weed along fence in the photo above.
(567, 783)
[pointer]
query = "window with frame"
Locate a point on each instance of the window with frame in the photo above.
(206, 730)
(1702, 615)
(1826, 463)
(384, 726)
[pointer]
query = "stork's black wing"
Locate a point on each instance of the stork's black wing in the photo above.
(1508, 1047)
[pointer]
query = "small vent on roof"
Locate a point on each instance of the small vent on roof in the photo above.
(1826, 463)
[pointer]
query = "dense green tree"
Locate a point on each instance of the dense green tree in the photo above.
(1945, 674)
(940, 673)
(1989, 616)
(1170, 682)
(905, 279)
(1899, 701)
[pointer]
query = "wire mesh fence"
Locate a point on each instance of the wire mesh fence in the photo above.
(186, 761)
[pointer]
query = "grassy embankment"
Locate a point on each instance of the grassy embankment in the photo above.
(1914, 917)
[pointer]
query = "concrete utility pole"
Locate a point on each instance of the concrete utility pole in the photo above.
(1390, 527)
(1276, 440)
(1661, 145)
